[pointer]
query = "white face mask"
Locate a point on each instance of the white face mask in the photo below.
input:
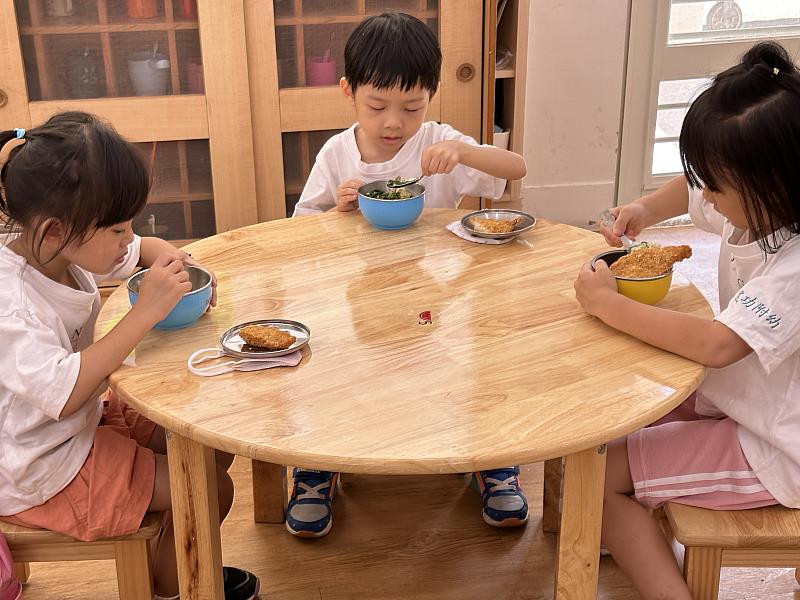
(242, 364)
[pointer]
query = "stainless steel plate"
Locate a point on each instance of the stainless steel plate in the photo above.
(499, 214)
(234, 345)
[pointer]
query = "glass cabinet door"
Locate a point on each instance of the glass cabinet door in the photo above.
(109, 48)
(169, 75)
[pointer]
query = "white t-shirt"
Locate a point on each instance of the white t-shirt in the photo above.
(43, 327)
(759, 300)
(340, 160)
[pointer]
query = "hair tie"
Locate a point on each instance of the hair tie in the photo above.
(775, 71)
(20, 133)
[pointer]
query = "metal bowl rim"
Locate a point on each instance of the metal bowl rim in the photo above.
(384, 183)
(140, 274)
(508, 211)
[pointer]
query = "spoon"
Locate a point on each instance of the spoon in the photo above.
(607, 219)
(399, 182)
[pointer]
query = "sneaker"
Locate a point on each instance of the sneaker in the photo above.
(238, 584)
(309, 511)
(504, 502)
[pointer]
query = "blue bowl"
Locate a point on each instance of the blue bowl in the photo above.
(189, 308)
(391, 214)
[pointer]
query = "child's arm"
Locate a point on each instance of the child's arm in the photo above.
(445, 156)
(670, 200)
(160, 291)
(705, 341)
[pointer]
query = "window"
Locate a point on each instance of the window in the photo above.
(674, 49)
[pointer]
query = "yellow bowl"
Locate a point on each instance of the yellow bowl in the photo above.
(649, 290)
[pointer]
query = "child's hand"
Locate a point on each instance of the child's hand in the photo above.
(629, 220)
(441, 157)
(593, 287)
(187, 259)
(163, 286)
(347, 195)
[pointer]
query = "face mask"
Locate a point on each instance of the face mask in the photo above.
(243, 364)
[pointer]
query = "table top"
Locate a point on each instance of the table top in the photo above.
(510, 370)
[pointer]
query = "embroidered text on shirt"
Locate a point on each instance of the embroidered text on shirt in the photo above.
(759, 308)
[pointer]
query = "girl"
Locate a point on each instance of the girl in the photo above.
(71, 462)
(732, 445)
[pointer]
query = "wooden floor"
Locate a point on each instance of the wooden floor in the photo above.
(413, 538)
(410, 538)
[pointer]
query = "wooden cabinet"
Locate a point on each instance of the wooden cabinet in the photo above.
(506, 49)
(168, 74)
(231, 100)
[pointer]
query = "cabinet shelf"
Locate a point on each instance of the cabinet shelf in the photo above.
(506, 73)
(335, 19)
(119, 27)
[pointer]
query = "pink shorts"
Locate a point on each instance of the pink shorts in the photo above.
(692, 459)
(110, 494)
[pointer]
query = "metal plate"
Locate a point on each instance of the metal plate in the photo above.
(499, 214)
(234, 345)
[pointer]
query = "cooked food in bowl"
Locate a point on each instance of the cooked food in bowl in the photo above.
(266, 336)
(494, 225)
(391, 194)
(651, 261)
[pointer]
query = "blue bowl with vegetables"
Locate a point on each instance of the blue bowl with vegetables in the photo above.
(189, 308)
(391, 208)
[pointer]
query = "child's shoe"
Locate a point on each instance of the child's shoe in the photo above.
(238, 584)
(309, 511)
(504, 502)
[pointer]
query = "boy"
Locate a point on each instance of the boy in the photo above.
(392, 69)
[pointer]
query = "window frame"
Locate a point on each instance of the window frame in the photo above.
(649, 61)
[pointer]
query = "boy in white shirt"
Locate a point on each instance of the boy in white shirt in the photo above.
(392, 69)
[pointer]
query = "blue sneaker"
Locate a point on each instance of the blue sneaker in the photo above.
(504, 502)
(309, 511)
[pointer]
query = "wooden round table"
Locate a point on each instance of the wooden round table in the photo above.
(428, 354)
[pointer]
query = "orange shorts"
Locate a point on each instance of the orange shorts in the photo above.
(110, 494)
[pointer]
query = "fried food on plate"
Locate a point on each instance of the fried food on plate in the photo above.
(494, 225)
(266, 336)
(650, 262)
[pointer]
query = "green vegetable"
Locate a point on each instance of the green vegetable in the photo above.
(398, 194)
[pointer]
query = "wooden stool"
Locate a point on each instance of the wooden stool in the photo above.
(130, 552)
(758, 537)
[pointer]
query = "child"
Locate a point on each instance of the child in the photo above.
(392, 68)
(732, 445)
(71, 462)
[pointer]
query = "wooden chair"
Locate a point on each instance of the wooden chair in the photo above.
(130, 552)
(758, 537)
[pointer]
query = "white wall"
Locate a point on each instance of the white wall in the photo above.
(574, 95)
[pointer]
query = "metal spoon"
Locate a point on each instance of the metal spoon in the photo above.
(398, 183)
(607, 219)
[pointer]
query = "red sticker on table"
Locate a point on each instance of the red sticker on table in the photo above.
(425, 317)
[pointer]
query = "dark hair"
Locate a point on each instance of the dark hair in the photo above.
(393, 49)
(744, 132)
(76, 170)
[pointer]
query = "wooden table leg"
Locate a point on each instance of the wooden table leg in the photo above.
(577, 561)
(269, 492)
(551, 497)
(195, 515)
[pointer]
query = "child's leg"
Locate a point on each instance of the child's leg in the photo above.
(158, 444)
(634, 537)
(165, 569)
